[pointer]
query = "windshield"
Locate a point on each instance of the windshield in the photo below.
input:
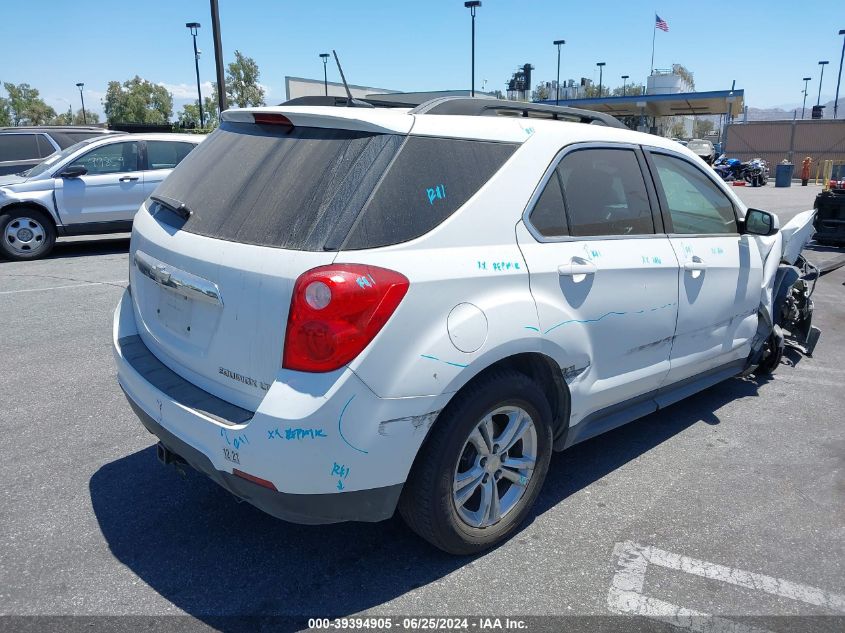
(47, 164)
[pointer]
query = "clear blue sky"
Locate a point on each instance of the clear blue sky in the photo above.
(419, 45)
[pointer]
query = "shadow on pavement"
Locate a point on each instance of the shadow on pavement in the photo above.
(86, 248)
(215, 558)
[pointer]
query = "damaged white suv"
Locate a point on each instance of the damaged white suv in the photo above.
(338, 312)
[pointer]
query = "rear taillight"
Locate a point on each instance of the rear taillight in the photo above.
(336, 311)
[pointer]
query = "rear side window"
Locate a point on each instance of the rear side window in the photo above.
(429, 180)
(605, 193)
(548, 215)
(166, 154)
(696, 205)
(18, 147)
(306, 188)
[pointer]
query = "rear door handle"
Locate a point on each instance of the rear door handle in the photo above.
(576, 267)
(128, 178)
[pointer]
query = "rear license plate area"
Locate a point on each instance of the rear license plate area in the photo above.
(175, 311)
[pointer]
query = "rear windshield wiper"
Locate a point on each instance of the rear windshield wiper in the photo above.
(177, 206)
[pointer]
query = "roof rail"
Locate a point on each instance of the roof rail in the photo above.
(469, 106)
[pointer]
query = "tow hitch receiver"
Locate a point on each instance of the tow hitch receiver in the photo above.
(167, 457)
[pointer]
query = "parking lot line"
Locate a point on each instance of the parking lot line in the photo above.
(632, 560)
(119, 282)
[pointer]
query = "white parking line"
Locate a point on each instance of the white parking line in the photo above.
(119, 282)
(625, 594)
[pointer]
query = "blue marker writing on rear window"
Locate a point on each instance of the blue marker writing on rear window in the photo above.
(436, 193)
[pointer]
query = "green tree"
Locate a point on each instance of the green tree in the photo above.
(5, 112)
(702, 127)
(677, 130)
(137, 101)
(242, 88)
(628, 90)
(69, 118)
(189, 116)
(26, 106)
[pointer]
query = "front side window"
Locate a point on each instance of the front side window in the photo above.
(110, 159)
(166, 154)
(605, 193)
(695, 204)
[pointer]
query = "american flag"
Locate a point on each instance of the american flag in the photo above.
(660, 24)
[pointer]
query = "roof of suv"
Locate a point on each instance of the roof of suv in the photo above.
(58, 128)
(463, 117)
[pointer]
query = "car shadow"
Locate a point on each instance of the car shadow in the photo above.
(227, 563)
(87, 248)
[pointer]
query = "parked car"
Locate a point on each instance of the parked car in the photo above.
(93, 186)
(338, 312)
(703, 149)
(24, 147)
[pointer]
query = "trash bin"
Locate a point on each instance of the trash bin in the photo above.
(783, 175)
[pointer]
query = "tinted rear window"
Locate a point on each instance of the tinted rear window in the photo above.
(18, 147)
(67, 138)
(326, 189)
(429, 180)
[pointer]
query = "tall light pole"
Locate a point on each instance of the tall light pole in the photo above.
(624, 85)
(192, 27)
(81, 85)
(558, 43)
(821, 78)
(325, 57)
(601, 70)
(472, 6)
(804, 105)
(839, 78)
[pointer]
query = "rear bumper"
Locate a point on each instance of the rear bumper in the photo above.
(331, 448)
(375, 504)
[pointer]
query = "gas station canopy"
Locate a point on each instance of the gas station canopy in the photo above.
(678, 104)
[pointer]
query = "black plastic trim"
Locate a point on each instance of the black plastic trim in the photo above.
(171, 384)
(375, 504)
(96, 228)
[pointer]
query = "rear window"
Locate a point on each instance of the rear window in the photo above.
(326, 189)
(18, 147)
(67, 138)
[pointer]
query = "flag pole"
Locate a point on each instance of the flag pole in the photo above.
(653, 37)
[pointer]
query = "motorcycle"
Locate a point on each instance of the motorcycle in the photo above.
(755, 172)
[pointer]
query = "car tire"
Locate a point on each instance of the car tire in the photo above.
(436, 502)
(26, 233)
(773, 352)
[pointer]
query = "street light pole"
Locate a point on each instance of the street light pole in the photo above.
(601, 70)
(839, 78)
(804, 105)
(472, 6)
(624, 84)
(821, 78)
(558, 43)
(192, 27)
(80, 85)
(325, 57)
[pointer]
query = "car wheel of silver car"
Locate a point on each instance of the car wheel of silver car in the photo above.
(482, 467)
(26, 233)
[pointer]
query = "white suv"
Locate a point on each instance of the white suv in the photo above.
(335, 312)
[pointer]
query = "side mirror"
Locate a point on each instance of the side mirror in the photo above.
(759, 222)
(73, 171)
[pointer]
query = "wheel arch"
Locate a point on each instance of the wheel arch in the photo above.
(32, 204)
(543, 370)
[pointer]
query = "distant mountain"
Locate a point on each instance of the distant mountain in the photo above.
(780, 114)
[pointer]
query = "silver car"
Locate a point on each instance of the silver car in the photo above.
(94, 186)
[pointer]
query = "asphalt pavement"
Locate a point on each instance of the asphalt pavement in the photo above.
(729, 503)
